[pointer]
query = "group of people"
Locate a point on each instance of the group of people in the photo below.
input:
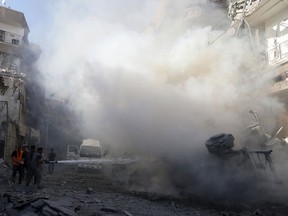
(30, 163)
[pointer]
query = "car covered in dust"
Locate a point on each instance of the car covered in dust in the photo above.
(72, 152)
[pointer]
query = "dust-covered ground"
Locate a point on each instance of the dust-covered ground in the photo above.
(68, 192)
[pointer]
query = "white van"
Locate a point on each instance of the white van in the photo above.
(90, 148)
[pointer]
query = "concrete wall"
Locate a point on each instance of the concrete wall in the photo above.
(12, 32)
(11, 142)
(12, 29)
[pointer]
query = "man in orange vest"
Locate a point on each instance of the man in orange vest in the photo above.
(18, 164)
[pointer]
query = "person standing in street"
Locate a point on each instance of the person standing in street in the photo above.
(18, 164)
(31, 153)
(29, 171)
(51, 157)
(36, 168)
(26, 160)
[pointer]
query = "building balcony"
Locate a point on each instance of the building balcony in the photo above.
(280, 88)
(278, 54)
(12, 49)
(9, 71)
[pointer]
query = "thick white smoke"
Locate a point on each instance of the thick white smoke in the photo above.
(164, 92)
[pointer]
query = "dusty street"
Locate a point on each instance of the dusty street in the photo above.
(176, 107)
(67, 192)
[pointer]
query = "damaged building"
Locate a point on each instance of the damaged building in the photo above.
(267, 25)
(187, 13)
(16, 58)
(263, 22)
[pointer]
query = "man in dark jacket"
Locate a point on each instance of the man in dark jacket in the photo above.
(26, 159)
(36, 167)
(31, 153)
(29, 160)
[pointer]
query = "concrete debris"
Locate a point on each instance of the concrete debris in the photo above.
(21, 200)
(174, 206)
(13, 203)
(46, 211)
(89, 190)
(11, 212)
(57, 207)
(258, 212)
(29, 214)
(77, 208)
(96, 200)
(127, 213)
(111, 210)
(227, 214)
(99, 197)
(4, 169)
(38, 204)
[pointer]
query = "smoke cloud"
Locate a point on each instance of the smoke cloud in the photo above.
(163, 93)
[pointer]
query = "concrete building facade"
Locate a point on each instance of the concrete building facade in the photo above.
(14, 49)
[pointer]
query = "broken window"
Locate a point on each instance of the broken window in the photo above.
(15, 41)
(277, 42)
(3, 87)
(2, 35)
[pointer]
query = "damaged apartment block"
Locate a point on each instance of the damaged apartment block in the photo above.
(14, 49)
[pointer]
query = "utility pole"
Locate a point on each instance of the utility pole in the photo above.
(47, 130)
(48, 110)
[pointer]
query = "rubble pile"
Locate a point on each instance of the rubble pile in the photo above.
(66, 193)
(4, 170)
(23, 204)
(23, 201)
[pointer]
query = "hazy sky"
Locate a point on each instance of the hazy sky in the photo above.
(42, 15)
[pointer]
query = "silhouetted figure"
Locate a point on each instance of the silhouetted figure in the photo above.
(51, 157)
(29, 171)
(18, 164)
(36, 167)
(26, 159)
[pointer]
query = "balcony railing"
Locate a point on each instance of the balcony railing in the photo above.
(279, 86)
(8, 70)
(278, 54)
